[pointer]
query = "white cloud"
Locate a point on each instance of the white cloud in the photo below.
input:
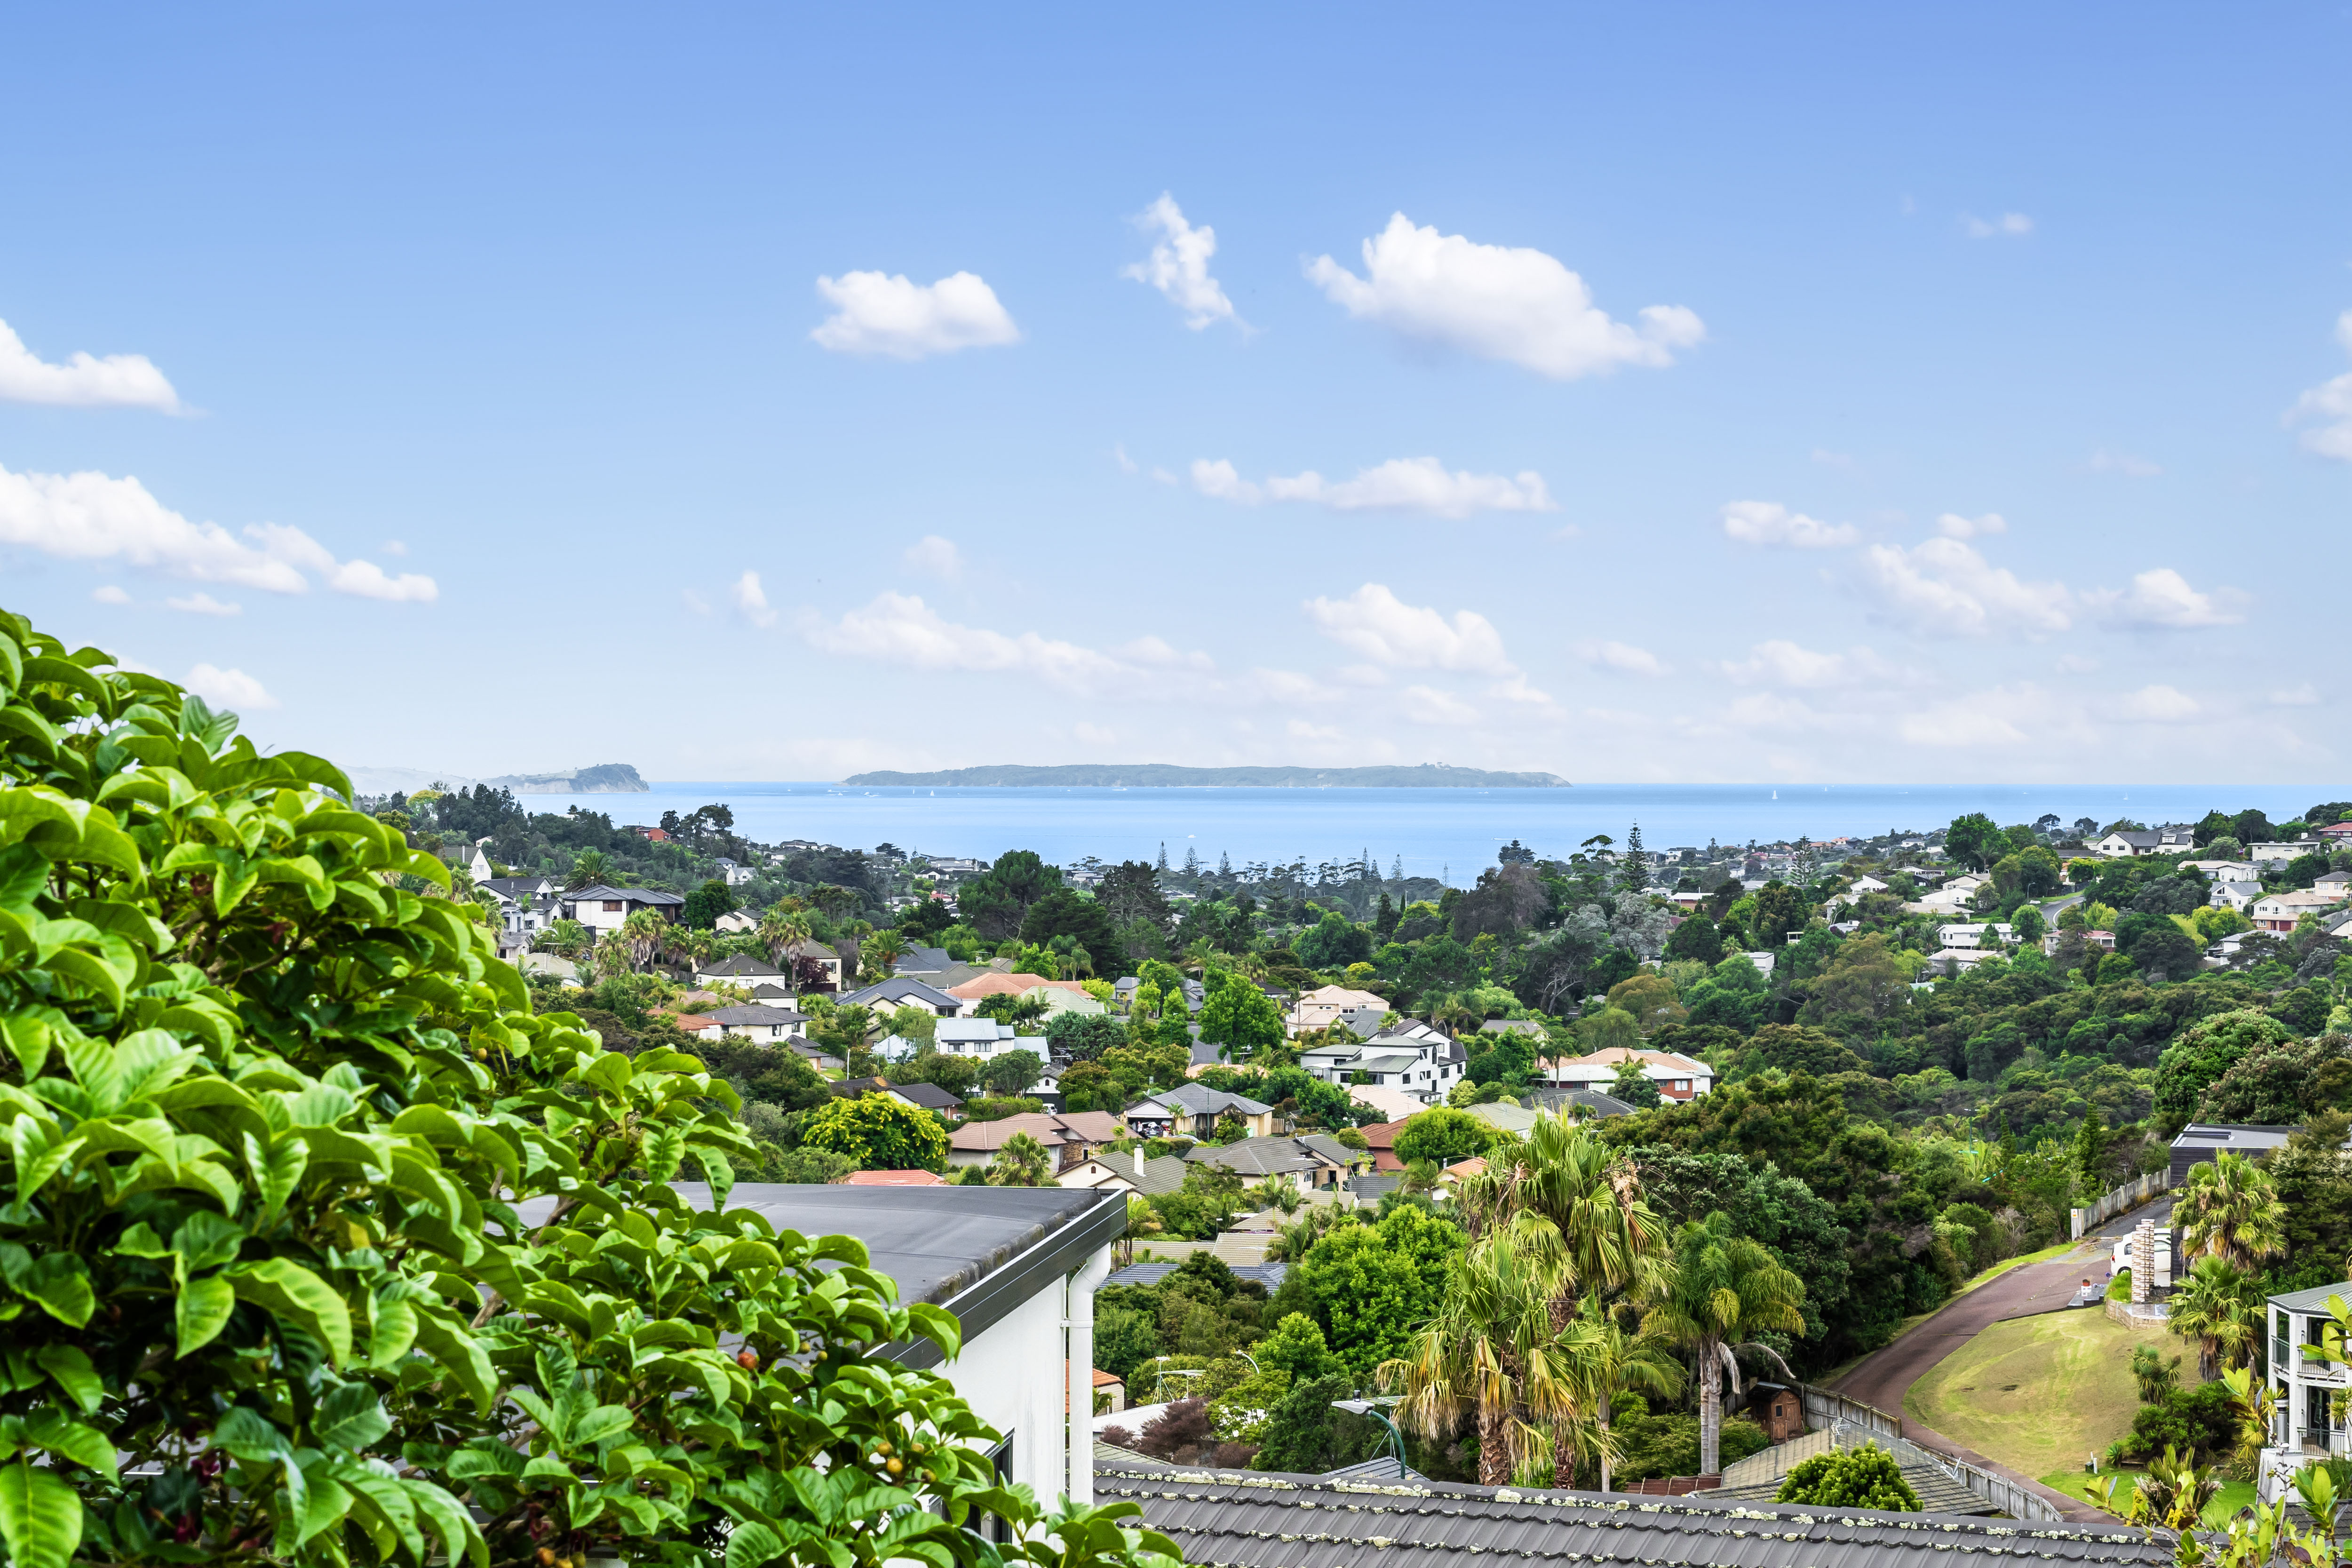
(1780, 662)
(1498, 303)
(2008, 226)
(750, 601)
(1127, 465)
(1427, 705)
(1945, 587)
(228, 688)
(2162, 599)
(1373, 622)
(394, 547)
(367, 579)
(899, 628)
(1952, 525)
(107, 594)
(1178, 267)
(2160, 705)
(1400, 484)
(1770, 522)
(117, 380)
(1623, 657)
(1300, 730)
(876, 313)
(2331, 403)
(1980, 720)
(91, 516)
(935, 555)
(2304, 696)
(202, 604)
(2103, 462)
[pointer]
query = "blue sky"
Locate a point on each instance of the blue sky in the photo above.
(1802, 393)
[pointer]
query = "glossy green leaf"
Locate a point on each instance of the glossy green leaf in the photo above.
(40, 1516)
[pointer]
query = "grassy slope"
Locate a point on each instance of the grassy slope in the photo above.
(2040, 1394)
(2233, 1494)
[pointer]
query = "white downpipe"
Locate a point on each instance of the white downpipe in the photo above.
(1081, 1373)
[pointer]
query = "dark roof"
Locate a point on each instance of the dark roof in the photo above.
(1270, 1274)
(743, 964)
(747, 1017)
(1376, 1186)
(1236, 1520)
(924, 960)
(653, 896)
(898, 988)
(930, 1096)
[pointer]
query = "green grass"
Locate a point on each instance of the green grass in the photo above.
(2233, 1494)
(2039, 1393)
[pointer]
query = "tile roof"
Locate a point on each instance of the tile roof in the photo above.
(653, 896)
(1251, 1519)
(743, 964)
(893, 1179)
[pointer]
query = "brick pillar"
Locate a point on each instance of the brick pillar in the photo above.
(2143, 1261)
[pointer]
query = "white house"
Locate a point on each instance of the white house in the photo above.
(2289, 849)
(1677, 1076)
(2129, 842)
(602, 909)
(734, 873)
(741, 969)
(902, 991)
(1018, 1268)
(2233, 895)
(1953, 960)
(768, 1026)
(736, 922)
(2302, 1430)
(1973, 935)
(2280, 911)
(1324, 1005)
(1414, 1057)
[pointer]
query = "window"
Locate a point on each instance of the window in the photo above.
(612, 906)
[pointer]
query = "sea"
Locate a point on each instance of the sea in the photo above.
(1448, 833)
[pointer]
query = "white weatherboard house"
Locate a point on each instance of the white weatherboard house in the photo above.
(2303, 1431)
(1017, 1266)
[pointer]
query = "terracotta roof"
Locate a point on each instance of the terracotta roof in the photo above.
(1382, 1134)
(997, 985)
(1109, 1379)
(893, 1179)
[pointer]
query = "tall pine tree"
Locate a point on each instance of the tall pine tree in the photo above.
(1633, 867)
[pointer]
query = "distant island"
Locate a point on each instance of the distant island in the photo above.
(1169, 775)
(604, 778)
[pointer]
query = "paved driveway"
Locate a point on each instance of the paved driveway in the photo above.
(1885, 1376)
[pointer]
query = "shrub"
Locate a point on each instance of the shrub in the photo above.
(1866, 1477)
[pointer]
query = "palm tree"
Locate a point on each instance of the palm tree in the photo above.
(885, 947)
(2202, 1309)
(1723, 1287)
(643, 932)
(588, 867)
(1619, 1363)
(1273, 1194)
(1020, 1162)
(1492, 1355)
(2229, 1208)
(1142, 1219)
(1575, 1206)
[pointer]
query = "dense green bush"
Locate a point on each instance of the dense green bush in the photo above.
(273, 1118)
(1866, 1477)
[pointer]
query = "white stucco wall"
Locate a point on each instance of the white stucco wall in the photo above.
(1012, 1374)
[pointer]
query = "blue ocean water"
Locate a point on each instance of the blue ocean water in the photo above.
(1448, 833)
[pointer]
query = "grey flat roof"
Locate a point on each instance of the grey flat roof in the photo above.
(978, 1251)
(1247, 1520)
(2231, 1135)
(1270, 1274)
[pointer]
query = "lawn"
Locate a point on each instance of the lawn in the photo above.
(2233, 1494)
(2040, 1394)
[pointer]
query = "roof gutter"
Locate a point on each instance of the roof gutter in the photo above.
(990, 1298)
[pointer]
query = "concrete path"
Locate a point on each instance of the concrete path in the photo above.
(1884, 1377)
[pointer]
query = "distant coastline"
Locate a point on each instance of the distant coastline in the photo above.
(1169, 775)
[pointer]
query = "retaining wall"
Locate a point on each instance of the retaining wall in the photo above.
(2124, 1199)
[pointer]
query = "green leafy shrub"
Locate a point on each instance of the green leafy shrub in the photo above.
(1866, 1477)
(324, 1248)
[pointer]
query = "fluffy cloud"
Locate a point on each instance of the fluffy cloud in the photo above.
(95, 517)
(1945, 587)
(2162, 600)
(1623, 657)
(934, 556)
(108, 593)
(899, 628)
(2008, 226)
(196, 604)
(876, 313)
(1400, 484)
(2330, 405)
(1770, 522)
(1427, 705)
(1497, 302)
(750, 601)
(1952, 525)
(1979, 721)
(1376, 624)
(117, 380)
(1178, 267)
(1782, 663)
(2160, 705)
(227, 687)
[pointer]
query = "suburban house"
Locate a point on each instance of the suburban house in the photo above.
(1063, 996)
(1412, 1057)
(1953, 960)
(1132, 1172)
(1069, 1137)
(775, 1024)
(992, 982)
(2336, 835)
(2283, 851)
(602, 909)
(734, 873)
(1323, 1006)
(736, 922)
(742, 970)
(1677, 1076)
(2233, 895)
(1311, 1162)
(2302, 1429)
(2338, 883)
(2125, 843)
(900, 990)
(2280, 911)
(1194, 1109)
(1965, 935)
(921, 1096)
(1123, 990)
(1018, 1268)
